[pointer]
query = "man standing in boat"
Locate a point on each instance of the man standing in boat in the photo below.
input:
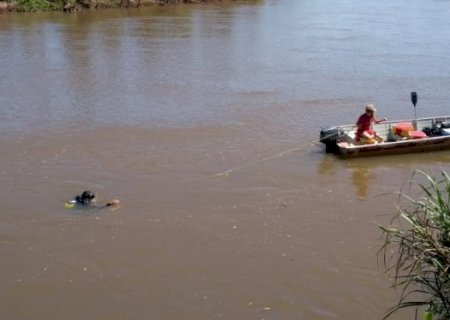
(365, 134)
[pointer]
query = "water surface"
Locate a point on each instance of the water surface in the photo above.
(154, 105)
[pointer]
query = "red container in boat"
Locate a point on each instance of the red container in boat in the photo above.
(403, 128)
(416, 134)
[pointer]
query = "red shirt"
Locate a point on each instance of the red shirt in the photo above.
(364, 122)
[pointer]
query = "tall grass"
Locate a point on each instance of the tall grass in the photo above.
(416, 252)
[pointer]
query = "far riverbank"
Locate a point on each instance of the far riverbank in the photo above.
(72, 6)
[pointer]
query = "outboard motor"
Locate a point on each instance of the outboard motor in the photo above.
(330, 136)
(445, 125)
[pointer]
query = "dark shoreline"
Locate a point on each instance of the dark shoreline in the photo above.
(72, 6)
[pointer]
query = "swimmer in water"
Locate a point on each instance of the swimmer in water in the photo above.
(88, 199)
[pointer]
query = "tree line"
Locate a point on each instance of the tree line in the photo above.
(80, 5)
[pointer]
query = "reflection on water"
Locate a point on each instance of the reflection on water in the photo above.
(156, 59)
(327, 164)
(359, 174)
(361, 179)
(364, 173)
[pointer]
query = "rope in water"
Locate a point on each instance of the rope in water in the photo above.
(279, 154)
(227, 172)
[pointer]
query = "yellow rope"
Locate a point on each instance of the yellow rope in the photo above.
(226, 173)
(279, 154)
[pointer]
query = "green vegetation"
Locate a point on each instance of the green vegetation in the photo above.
(78, 5)
(39, 5)
(416, 250)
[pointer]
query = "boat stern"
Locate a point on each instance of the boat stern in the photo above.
(330, 137)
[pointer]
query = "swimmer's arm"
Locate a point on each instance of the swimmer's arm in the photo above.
(113, 202)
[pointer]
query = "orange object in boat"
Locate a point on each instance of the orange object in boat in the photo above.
(403, 129)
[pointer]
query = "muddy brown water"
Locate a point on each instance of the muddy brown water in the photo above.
(150, 106)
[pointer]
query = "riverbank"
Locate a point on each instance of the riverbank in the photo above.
(80, 5)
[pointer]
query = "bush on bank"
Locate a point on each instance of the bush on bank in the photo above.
(39, 5)
(79, 5)
(416, 249)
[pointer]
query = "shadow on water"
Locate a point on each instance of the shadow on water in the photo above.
(363, 173)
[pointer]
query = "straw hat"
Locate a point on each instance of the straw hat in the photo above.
(371, 107)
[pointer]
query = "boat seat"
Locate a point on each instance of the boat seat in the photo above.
(395, 137)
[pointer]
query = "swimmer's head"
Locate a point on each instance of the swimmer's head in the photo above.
(88, 197)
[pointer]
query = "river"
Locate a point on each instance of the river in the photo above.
(203, 120)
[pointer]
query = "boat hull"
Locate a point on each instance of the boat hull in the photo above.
(410, 146)
(428, 134)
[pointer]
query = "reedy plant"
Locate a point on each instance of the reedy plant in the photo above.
(416, 252)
